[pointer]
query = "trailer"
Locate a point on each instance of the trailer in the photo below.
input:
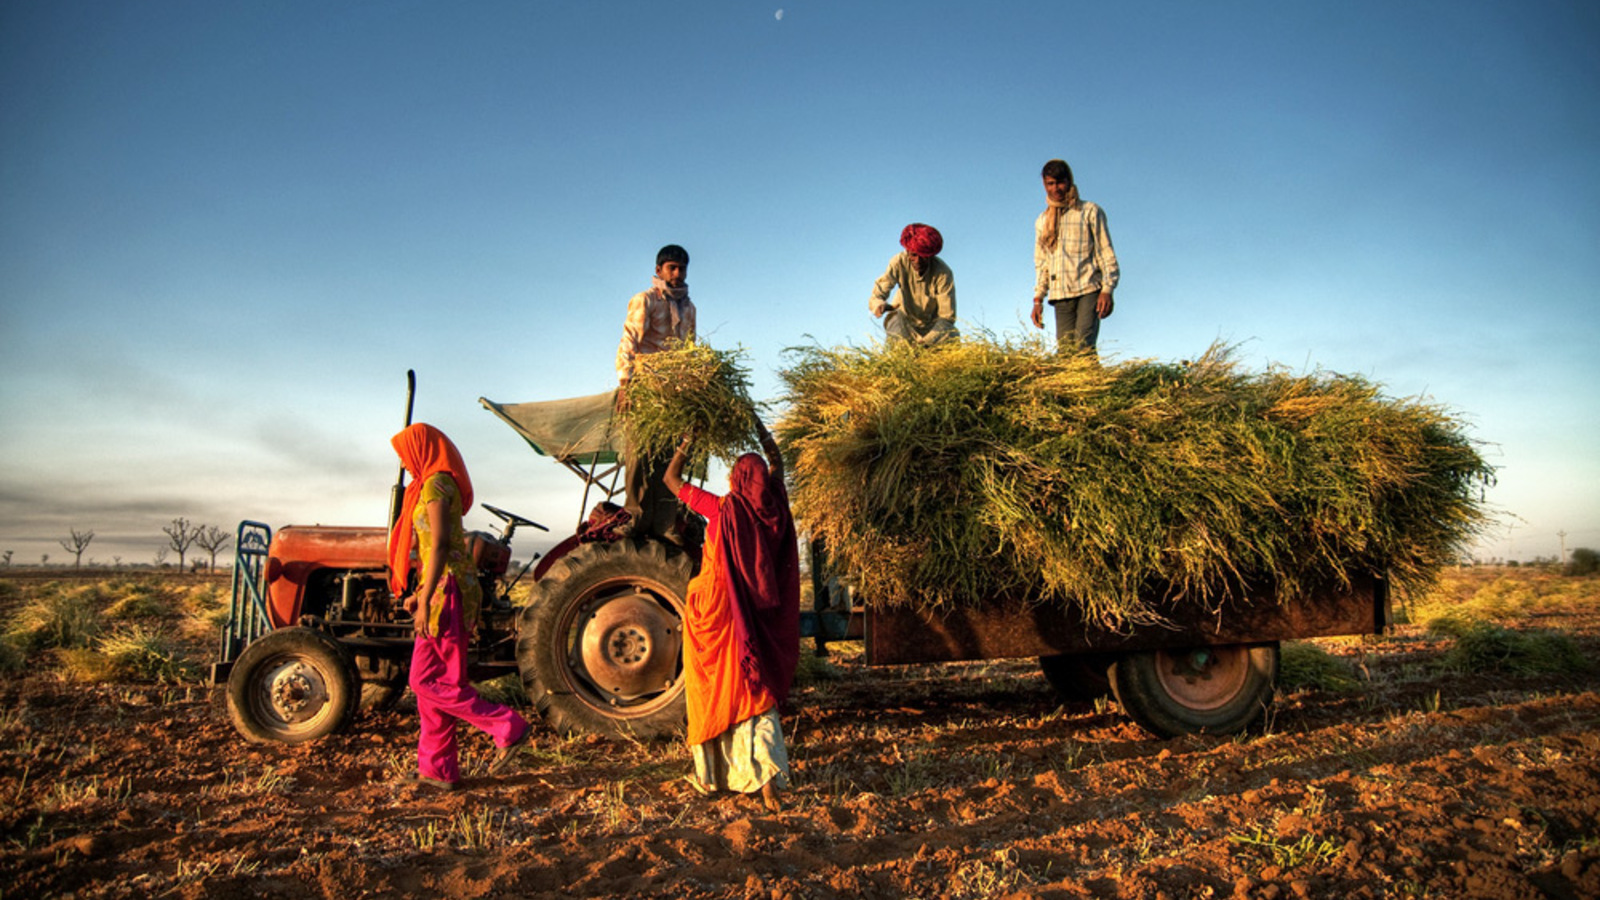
(314, 632)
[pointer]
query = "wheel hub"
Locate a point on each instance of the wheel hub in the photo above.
(297, 692)
(1202, 679)
(629, 647)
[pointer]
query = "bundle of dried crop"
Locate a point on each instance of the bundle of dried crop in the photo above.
(691, 388)
(991, 469)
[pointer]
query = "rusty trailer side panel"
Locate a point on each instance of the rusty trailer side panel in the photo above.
(900, 636)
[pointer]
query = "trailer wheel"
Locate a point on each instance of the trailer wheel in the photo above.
(291, 686)
(1201, 689)
(1078, 677)
(599, 644)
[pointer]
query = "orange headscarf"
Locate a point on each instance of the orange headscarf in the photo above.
(424, 451)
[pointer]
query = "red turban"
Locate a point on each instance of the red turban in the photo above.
(921, 240)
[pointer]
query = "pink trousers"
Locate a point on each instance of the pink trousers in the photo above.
(439, 679)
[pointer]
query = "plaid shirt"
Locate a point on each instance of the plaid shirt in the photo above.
(649, 326)
(1083, 261)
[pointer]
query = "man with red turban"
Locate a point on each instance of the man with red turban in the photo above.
(926, 312)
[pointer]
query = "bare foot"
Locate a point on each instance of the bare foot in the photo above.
(769, 797)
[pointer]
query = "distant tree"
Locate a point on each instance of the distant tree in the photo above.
(76, 544)
(44, 560)
(1584, 561)
(212, 539)
(180, 534)
(7, 558)
(116, 561)
(161, 557)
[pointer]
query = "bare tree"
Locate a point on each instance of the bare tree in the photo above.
(161, 557)
(8, 559)
(212, 539)
(76, 544)
(180, 534)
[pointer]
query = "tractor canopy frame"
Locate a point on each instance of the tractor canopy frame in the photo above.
(582, 433)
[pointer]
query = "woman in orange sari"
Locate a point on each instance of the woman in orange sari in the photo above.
(741, 627)
(444, 609)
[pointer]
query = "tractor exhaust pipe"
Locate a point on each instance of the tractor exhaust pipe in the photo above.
(398, 492)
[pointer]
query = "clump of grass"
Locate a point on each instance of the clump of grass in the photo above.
(144, 654)
(1283, 853)
(132, 598)
(1487, 647)
(12, 657)
(56, 617)
(1304, 665)
(506, 690)
(982, 469)
(85, 665)
(204, 610)
(1001, 874)
(690, 388)
(129, 652)
(1491, 593)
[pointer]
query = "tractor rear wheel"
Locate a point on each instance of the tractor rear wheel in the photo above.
(291, 686)
(1201, 689)
(599, 643)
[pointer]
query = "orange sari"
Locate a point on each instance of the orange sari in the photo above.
(718, 693)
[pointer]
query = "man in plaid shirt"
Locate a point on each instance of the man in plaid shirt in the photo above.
(1075, 264)
(655, 317)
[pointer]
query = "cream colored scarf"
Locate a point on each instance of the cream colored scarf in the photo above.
(674, 294)
(1051, 233)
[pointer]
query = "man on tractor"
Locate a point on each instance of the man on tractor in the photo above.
(655, 317)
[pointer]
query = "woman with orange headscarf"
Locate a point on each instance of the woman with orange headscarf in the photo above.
(741, 626)
(444, 608)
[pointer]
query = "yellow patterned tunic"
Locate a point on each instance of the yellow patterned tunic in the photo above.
(457, 561)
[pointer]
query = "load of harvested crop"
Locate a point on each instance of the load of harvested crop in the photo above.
(990, 470)
(690, 388)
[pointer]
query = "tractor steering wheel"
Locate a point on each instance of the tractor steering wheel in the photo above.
(511, 519)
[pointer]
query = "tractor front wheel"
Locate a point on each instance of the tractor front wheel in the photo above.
(291, 686)
(599, 644)
(1220, 690)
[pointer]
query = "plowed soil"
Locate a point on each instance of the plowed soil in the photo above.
(954, 781)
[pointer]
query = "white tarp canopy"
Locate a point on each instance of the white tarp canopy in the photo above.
(578, 431)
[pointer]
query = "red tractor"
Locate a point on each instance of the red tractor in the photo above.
(314, 632)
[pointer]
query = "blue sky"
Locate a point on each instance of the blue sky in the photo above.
(228, 229)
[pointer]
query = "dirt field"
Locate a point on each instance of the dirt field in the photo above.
(955, 781)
